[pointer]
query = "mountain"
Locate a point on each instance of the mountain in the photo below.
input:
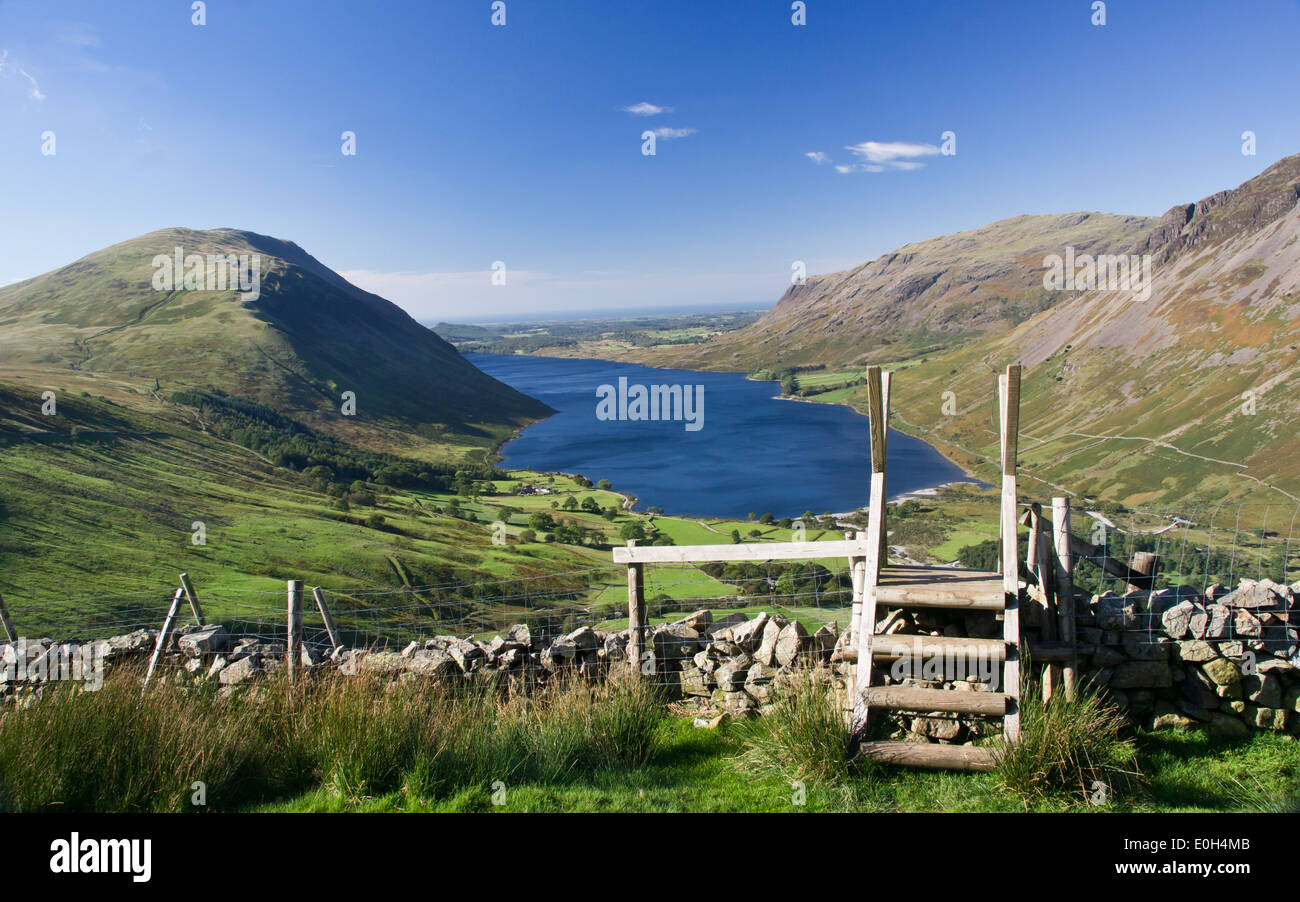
(1191, 395)
(926, 295)
(295, 341)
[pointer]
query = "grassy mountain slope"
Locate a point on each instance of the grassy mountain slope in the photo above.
(309, 337)
(1192, 394)
(922, 297)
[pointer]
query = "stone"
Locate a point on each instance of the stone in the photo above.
(696, 682)
(731, 621)
(749, 634)
(128, 644)
(1176, 619)
(206, 640)
(1222, 671)
(732, 701)
(790, 643)
(378, 663)
(584, 638)
(414, 647)
(1246, 624)
(1144, 646)
(1167, 718)
(1115, 612)
(767, 648)
(675, 643)
(823, 641)
(946, 729)
(1105, 656)
(1291, 698)
(1142, 674)
(698, 621)
(1195, 651)
(1219, 617)
(1266, 718)
(560, 654)
(433, 662)
(1264, 689)
(760, 673)
(1226, 726)
(239, 671)
(1254, 595)
(520, 633)
(731, 675)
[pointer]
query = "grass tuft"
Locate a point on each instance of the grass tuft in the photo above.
(1069, 747)
(805, 737)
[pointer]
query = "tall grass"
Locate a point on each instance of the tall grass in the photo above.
(1069, 747)
(119, 750)
(805, 737)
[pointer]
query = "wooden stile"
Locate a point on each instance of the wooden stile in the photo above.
(636, 612)
(1009, 397)
(1065, 591)
(875, 542)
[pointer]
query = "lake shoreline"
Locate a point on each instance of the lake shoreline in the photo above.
(754, 457)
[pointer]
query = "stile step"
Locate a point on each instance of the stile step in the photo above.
(953, 701)
(930, 755)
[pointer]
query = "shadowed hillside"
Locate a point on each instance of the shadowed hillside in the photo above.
(295, 346)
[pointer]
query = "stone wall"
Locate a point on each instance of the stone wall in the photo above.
(1173, 658)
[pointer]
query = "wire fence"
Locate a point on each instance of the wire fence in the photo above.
(1196, 548)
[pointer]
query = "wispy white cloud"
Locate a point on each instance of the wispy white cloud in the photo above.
(884, 155)
(645, 108)
(6, 67)
(817, 157)
(673, 132)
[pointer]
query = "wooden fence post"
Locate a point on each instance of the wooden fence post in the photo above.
(163, 636)
(636, 612)
(193, 598)
(875, 543)
(1143, 570)
(319, 594)
(1065, 590)
(293, 654)
(886, 378)
(1009, 398)
(8, 624)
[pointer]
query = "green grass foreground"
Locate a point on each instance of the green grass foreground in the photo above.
(356, 745)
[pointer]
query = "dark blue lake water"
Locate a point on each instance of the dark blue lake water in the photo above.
(752, 452)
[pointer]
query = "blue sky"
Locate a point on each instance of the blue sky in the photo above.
(477, 143)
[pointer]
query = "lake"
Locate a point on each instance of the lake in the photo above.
(744, 450)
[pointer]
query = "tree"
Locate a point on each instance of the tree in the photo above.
(766, 519)
(591, 505)
(610, 513)
(735, 537)
(541, 521)
(527, 537)
(632, 529)
(570, 504)
(605, 484)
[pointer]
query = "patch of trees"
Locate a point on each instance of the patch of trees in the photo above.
(329, 464)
